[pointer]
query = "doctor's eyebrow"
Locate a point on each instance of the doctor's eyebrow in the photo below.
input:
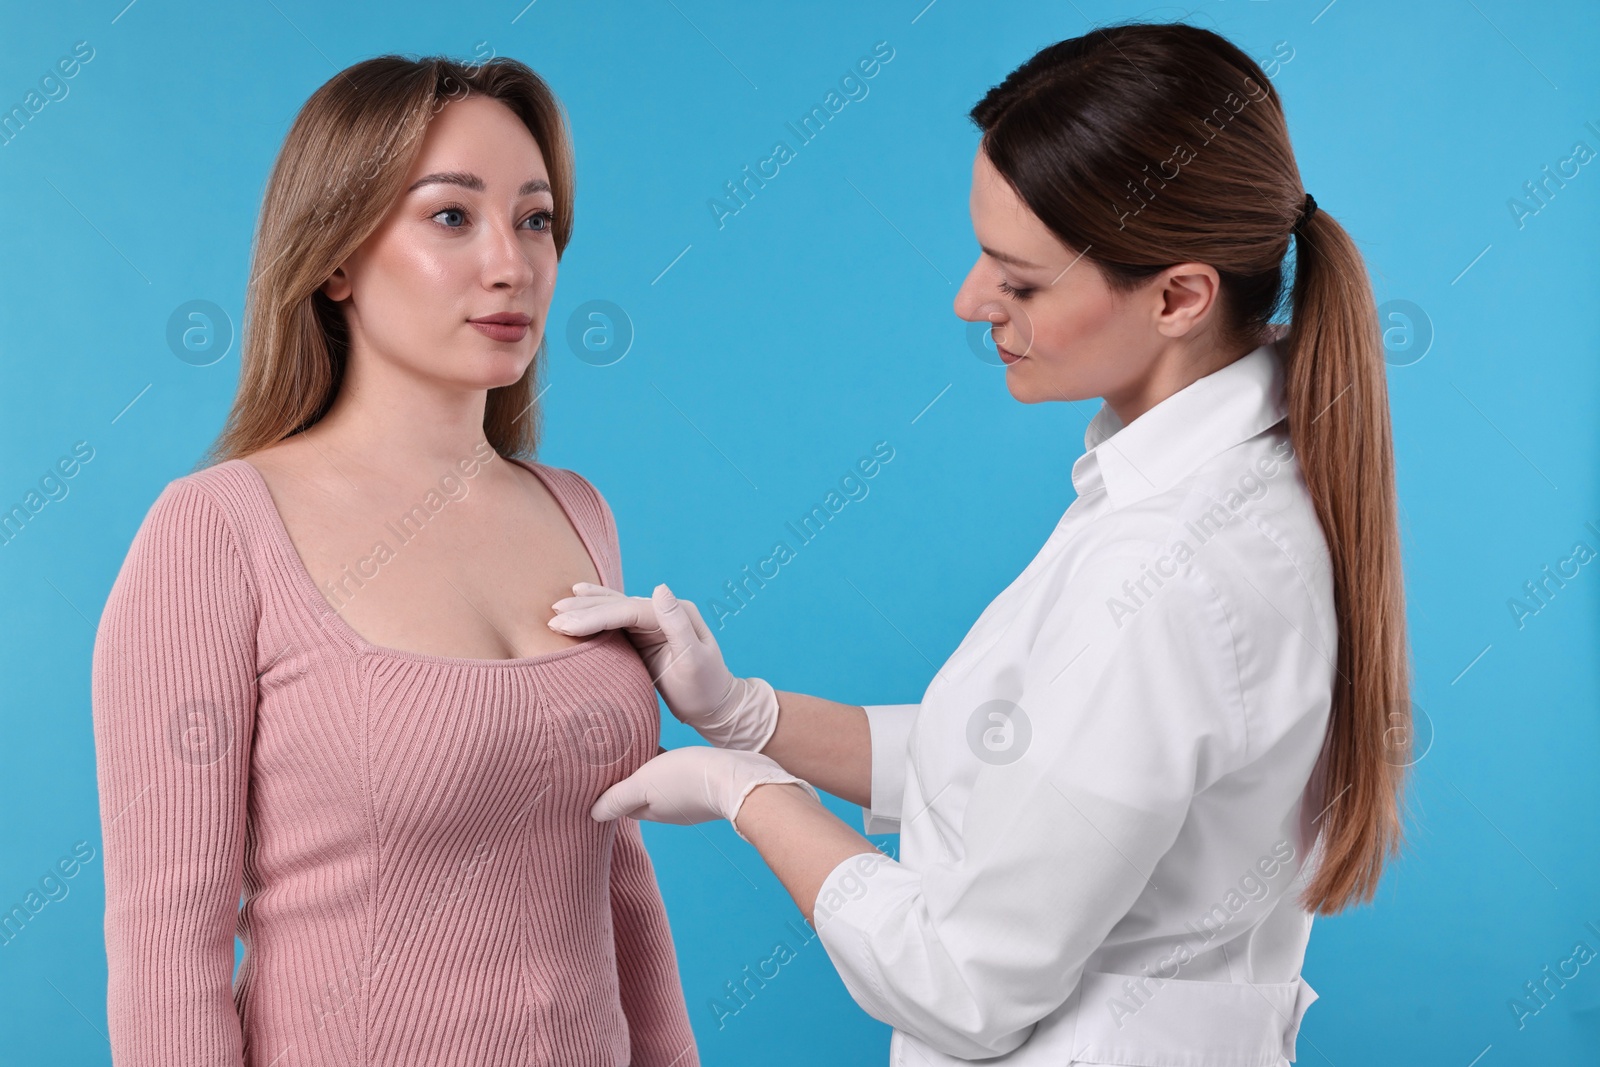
(1006, 257)
(1015, 262)
(473, 182)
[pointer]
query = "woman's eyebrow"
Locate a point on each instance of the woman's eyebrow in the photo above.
(473, 182)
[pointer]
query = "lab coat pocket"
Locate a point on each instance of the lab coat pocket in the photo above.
(1137, 1021)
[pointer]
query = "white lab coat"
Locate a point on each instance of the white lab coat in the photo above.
(1099, 796)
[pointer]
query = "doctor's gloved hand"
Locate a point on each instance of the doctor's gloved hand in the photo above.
(684, 661)
(692, 785)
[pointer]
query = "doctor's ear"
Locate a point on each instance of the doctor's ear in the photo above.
(337, 287)
(1185, 294)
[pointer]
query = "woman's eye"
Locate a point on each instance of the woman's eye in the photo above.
(1015, 293)
(455, 217)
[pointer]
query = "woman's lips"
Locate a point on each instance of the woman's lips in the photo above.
(500, 331)
(1006, 355)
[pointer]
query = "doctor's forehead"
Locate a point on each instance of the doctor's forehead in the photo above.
(1006, 228)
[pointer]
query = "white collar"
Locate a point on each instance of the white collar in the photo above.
(1203, 419)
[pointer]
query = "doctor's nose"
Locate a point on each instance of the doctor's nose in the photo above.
(970, 303)
(971, 306)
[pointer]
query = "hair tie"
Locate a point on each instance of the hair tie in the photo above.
(1307, 209)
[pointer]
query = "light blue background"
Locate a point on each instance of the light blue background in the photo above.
(778, 349)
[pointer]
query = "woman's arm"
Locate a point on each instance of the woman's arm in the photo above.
(174, 700)
(826, 743)
(648, 982)
(647, 964)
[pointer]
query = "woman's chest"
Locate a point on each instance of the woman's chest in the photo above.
(465, 568)
(442, 743)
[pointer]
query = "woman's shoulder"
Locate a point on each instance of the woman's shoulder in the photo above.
(588, 509)
(210, 495)
(212, 514)
(194, 537)
(577, 492)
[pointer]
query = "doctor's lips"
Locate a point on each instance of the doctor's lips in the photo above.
(502, 325)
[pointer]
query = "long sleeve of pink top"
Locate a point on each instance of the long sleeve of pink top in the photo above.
(420, 879)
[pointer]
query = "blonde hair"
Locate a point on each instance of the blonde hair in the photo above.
(364, 127)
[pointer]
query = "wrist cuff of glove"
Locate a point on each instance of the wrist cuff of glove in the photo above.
(775, 778)
(751, 720)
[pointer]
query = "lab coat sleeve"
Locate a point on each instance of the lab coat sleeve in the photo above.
(890, 726)
(1129, 713)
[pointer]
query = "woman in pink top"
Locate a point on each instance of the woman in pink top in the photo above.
(323, 682)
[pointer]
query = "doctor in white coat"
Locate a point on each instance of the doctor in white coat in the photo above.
(1182, 730)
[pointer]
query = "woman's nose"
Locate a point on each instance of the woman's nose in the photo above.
(506, 261)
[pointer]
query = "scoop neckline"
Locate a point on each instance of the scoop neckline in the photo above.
(331, 619)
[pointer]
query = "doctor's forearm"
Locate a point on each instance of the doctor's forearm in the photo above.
(826, 743)
(800, 839)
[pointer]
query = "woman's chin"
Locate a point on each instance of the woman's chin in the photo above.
(497, 369)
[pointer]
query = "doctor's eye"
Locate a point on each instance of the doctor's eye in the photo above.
(1015, 293)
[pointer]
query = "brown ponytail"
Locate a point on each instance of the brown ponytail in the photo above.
(1339, 423)
(1145, 145)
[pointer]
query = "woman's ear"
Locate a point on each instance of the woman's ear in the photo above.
(337, 287)
(1187, 292)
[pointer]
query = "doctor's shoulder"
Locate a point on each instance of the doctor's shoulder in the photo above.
(1239, 536)
(1250, 515)
(1245, 528)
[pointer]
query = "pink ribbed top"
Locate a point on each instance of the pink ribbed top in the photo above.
(421, 880)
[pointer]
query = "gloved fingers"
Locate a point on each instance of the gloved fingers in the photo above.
(568, 602)
(669, 788)
(591, 589)
(586, 615)
(691, 785)
(588, 594)
(627, 797)
(596, 600)
(701, 630)
(675, 620)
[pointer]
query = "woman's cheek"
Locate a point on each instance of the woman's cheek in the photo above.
(545, 283)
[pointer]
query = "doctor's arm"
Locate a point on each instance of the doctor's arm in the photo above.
(855, 753)
(801, 840)
(969, 953)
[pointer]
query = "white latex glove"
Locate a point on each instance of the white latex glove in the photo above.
(684, 661)
(692, 785)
